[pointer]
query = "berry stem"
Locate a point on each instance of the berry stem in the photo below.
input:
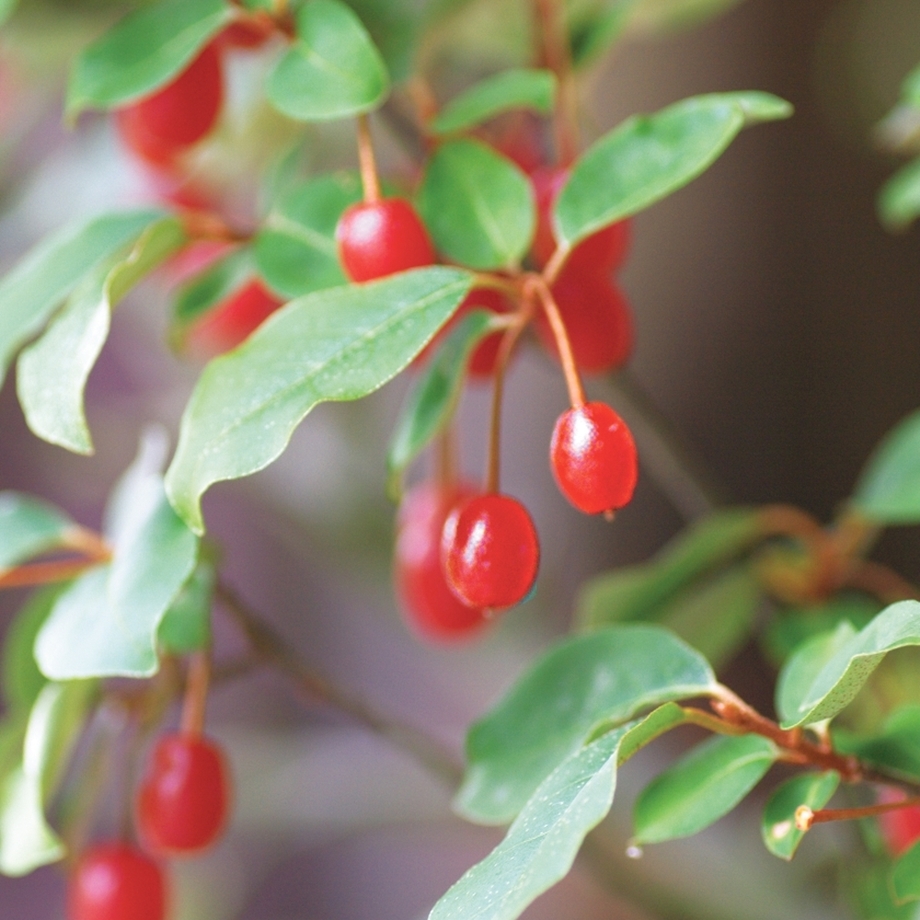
(367, 161)
(196, 694)
(493, 464)
(556, 53)
(805, 817)
(43, 573)
(569, 369)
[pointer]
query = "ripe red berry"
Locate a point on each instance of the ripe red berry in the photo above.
(429, 605)
(600, 253)
(184, 796)
(234, 320)
(593, 458)
(116, 881)
(490, 551)
(900, 828)
(160, 127)
(380, 238)
(597, 320)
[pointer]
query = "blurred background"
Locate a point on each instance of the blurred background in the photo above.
(778, 333)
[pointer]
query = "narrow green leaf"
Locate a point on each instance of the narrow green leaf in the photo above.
(849, 668)
(508, 90)
(579, 686)
(48, 274)
(295, 249)
(142, 52)
(645, 731)
(186, 626)
(332, 70)
(339, 344)
(106, 622)
(905, 876)
(899, 199)
(431, 404)
(895, 749)
(542, 843)
(477, 205)
(888, 489)
(22, 681)
(26, 840)
(52, 371)
(648, 157)
(29, 527)
(780, 835)
(701, 787)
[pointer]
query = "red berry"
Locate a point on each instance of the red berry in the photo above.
(184, 797)
(900, 828)
(245, 34)
(601, 253)
(160, 127)
(593, 458)
(234, 320)
(597, 319)
(380, 238)
(115, 881)
(490, 551)
(430, 607)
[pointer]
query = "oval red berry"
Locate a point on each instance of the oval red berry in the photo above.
(116, 881)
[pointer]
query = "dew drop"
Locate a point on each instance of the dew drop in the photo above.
(634, 852)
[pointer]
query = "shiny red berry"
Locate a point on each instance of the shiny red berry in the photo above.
(116, 881)
(593, 458)
(184, 796)
(380, 238)
(160, 127)
(428, 604)
(490, 551)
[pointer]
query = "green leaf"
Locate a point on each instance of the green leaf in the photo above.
(511, 89)
(477, 205)
(639, 592)
(842, 677)
(186, 626)
(575, 689)
(910, 88)
(7, 8)
(899, 200)
(55, 723)
(396, 28)
(431, 404)
(339, 344)
(22, 681)
(142, 52)
(648, 157)
(905, 876)
(295, 249)
(701, 787)
(52, 371)
(48, 274)
(106, 622)
(332, 69)
(597, 30)
(888, 489)
(896, 749)
(542, 843)
(28, 528)
(780, 835)
(211, 287)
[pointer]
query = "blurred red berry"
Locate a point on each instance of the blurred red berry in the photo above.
(900, 828)
(116, 881)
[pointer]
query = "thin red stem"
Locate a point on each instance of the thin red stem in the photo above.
(43, 573)
(569, 369)
(196, 694)
(555, 41)
(805, 817)
(367, 162)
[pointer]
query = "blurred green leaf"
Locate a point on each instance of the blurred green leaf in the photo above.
(295, 248)
(211, 287)
(895, 749)
(888, 488)
(332, 69)
(396, 27)
(780, 835)
(50, 272)
(143, 51)
(22, 680)
(905, 876)
(7, 8)
(186, 625)
(29, 527)
(701, 787)
(477, 205)
(503, 92)
(52, 371)
(899, 199)
(867, 886)
(339, 344)
(648, 157)
(430, 405)
(596, 30)
(910, 88)
(575, 689)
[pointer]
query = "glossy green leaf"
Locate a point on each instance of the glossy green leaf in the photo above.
(211, 287)
(888, 489)
(701, 787)
(905, 876)
(186, 626)
(780, 835)
(895, 749)
(332, 69)
(646, 730)
(542, 843)
(106, 622)
(47, 275)
(340, 344)
(52, 371)
(295, 249)
(28, 528)
(640, 591)
(899, 200)
(576, 688)
(477, 205)
(842, 677)
(142, 52)
(430, 405)
(648, 157)
(506, 91)
(21, 678)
